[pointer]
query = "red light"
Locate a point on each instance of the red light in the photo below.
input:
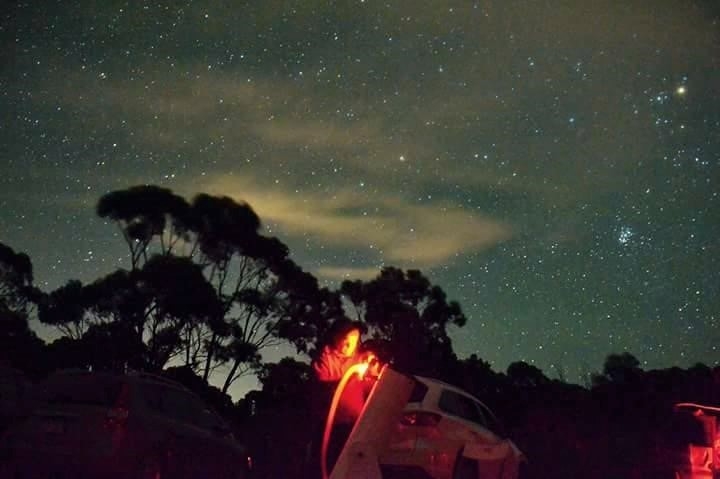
(420, 419)
(116, 417)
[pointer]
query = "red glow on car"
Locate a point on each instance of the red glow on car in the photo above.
(116, 417)
(420, 419)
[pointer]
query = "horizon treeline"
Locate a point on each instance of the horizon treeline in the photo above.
(207, 291)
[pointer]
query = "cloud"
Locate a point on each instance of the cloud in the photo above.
(337, 273)
(437, 122)
(398, 232)
(293, 128)
(324, 134)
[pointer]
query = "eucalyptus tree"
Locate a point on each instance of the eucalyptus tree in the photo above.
(19, 345)
(407, 318)
(16, 281)
(148, 310)
(267, 298)
(203, 287)
(151, 219)
(618, 368)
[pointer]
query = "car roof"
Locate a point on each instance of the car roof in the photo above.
(436, 383)
(693, 407)
(127, 375)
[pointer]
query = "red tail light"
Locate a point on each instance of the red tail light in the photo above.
(116, 417)
(420, 419)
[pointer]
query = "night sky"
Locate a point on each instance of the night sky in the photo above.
(552, 165)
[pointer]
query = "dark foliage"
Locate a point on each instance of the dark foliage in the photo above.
(407, 318)
(618, 429)
(622, 426)
(203, 287)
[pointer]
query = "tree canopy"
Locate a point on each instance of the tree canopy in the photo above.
(407, 317)
(203, 287)
(19, 345)
(16, 280)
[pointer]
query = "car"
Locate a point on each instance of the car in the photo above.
(446, 433)
(130, 425)
(14, 391)
(696, 437)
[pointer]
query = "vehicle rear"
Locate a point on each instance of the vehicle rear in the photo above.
(108, 425)
(418, 448)
(445, 433)
(181, 437)
(77, 429)
(14, 388)
(695, 435)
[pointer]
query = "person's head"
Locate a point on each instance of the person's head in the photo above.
(347, 345)
(344, 337)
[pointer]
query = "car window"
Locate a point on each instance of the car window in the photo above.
(179, 405)
(81, 389)
(418, 393)
(493, 423)
(460, 406)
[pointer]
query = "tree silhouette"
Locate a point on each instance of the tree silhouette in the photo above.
(16, 280)
(266, 297)
(524, 375)
(144, 214)
(19, 345)
(285, 382)
(306, 310)
(618, 368)
(157, 304)
(476, 376)
(407, 317)
(64, 309)
(105, 346)
(238, 262)
(280, 424)
(183, 300)
(204, 288)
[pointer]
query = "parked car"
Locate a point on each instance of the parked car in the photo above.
(697, 441)
(133, 425)
(446, 433)
(14, 395)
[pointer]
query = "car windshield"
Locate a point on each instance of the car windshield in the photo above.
(418, 392)
(461, 406)
(179, 405)
(92, 390)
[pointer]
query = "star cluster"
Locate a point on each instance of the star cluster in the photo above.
(552, 167)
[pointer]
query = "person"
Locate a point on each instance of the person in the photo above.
(341, 350)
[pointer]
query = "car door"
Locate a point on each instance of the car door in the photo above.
(469, 428)
(510, 452)
(192, 447)
(401, 447)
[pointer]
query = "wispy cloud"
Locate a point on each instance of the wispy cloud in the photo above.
(401, 233)
(339, 273)
(323, 134)
(290, 129)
